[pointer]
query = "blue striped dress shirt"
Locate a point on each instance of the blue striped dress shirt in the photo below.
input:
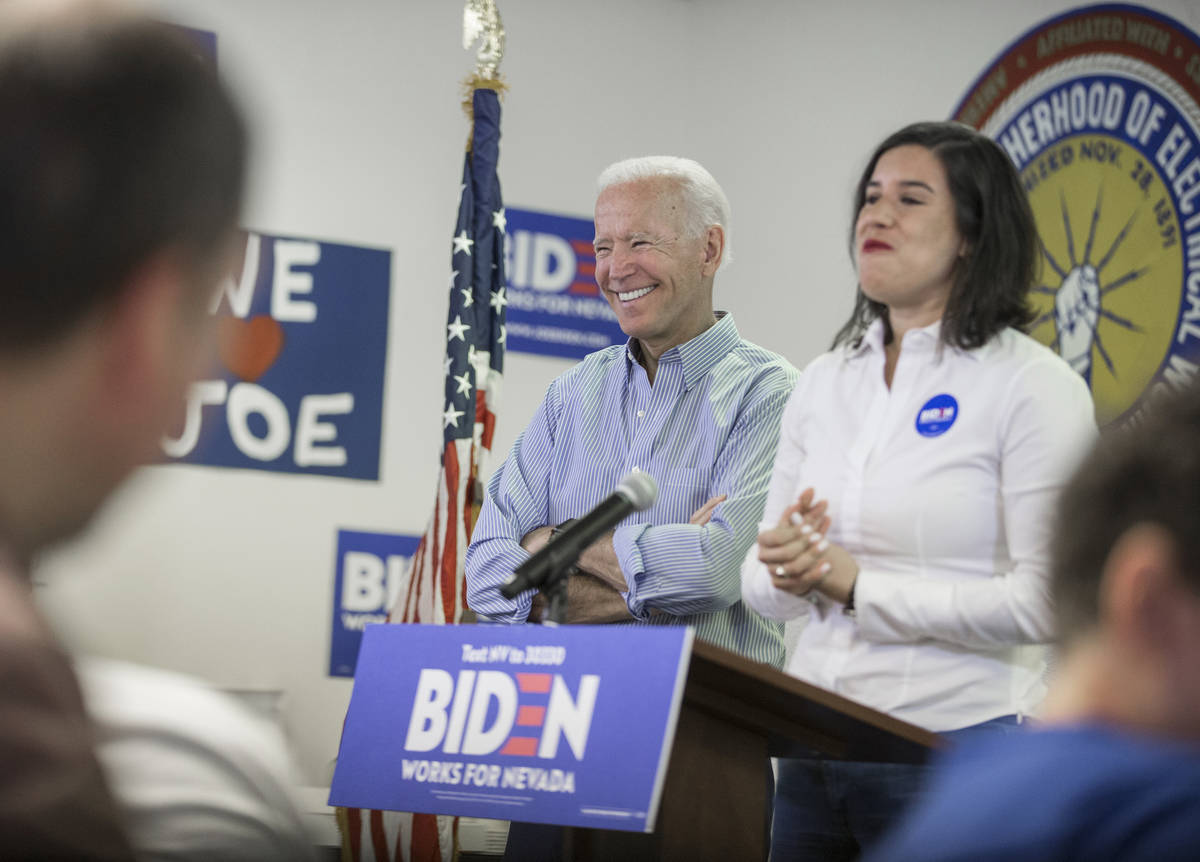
(708, 426)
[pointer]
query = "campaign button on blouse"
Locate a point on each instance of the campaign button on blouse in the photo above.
(937, 415)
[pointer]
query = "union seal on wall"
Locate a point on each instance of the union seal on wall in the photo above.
(1099, 109)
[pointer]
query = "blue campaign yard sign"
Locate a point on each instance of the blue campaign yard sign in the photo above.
(554, 305)
(368, 573)
(302, 331)
(570, 724)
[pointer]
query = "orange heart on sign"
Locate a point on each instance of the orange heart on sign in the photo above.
(249, 347)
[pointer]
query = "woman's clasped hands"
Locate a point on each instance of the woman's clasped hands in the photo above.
(799, 557)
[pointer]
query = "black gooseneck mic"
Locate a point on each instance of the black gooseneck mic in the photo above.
(636, 492)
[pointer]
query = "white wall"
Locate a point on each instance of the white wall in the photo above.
(228, 574)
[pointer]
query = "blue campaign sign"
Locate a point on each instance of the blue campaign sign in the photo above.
(303, 329)
(368, 573)
(570, 724)
(554, 305)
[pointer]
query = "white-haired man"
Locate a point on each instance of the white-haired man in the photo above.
(686, 399)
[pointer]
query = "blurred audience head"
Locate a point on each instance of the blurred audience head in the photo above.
(1126, 564)
(122, 165)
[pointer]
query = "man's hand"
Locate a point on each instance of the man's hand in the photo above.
(703, 515)
(535, 540)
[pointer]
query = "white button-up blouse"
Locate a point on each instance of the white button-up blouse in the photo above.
(943, 489)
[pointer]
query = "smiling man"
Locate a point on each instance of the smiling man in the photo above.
(686, 400)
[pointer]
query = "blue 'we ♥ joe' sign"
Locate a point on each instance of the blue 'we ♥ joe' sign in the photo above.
(569, 725)
(302, 341)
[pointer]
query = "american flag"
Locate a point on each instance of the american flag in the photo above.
(435, 591)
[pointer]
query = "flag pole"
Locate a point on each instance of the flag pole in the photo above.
(434, 590)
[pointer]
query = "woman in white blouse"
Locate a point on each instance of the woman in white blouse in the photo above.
(935, 436)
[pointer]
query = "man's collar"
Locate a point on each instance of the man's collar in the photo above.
(700, 354)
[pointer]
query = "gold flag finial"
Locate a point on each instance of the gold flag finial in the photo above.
(481, 20)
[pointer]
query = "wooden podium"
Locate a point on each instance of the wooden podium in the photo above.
(735, 714)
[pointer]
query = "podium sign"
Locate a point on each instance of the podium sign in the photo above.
(569, 725)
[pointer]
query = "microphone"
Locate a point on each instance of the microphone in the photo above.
(636, 492)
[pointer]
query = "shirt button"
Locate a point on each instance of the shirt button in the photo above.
(641, 413)
(636, 469)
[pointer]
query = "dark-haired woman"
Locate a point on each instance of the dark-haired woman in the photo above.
(935, 436)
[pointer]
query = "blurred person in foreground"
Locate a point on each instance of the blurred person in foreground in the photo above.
(122, 165)
(1113, 769)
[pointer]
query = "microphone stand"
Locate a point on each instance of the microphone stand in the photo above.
(554, 588)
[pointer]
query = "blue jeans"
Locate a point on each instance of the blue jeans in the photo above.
(835, 809)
